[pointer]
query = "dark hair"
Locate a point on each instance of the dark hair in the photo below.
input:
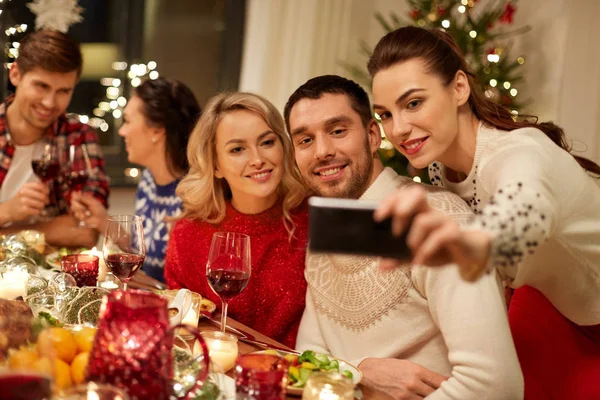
(444, 58)
(170, 104)
(333, 84)
(50, 50)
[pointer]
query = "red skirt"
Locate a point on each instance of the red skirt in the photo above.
(559, 359)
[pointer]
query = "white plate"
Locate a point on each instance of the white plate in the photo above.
(53, 260)
(344, 366)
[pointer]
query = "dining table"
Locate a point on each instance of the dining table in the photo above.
(253, 340)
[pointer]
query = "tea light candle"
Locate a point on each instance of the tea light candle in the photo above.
(13, 284)
(102, 270)
(222, 349)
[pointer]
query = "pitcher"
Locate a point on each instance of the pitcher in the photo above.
(133, 347)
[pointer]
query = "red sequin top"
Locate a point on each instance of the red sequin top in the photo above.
(273, 301)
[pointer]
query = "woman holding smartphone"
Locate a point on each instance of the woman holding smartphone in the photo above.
(537, 206)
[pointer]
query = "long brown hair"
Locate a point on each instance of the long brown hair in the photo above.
(444, 58)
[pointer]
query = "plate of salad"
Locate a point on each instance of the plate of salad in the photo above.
(304, 364)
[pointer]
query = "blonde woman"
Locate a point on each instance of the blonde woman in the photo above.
(243, 179)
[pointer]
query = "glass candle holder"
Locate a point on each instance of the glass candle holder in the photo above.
(110, 282)
(83, 267)
(94, 391)
(260, 376)
(222, 349)
(328, 386)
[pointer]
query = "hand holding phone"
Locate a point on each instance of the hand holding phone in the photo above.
(347, 226)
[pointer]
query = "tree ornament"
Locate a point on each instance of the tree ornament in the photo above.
(56, 15)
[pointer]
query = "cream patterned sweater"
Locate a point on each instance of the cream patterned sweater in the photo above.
(543, 211)
(426, 315)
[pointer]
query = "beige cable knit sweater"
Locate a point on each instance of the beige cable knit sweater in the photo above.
(426, 315)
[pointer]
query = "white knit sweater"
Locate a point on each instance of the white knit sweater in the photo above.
(426, 315)
(543, 213)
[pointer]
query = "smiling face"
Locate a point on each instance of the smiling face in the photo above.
(138, 135)
(334, 150)
(418, 112)
(42, 96)
(250, 158)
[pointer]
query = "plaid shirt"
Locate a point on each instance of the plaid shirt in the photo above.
(63, 132)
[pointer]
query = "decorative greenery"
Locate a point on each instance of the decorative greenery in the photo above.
(480, 31)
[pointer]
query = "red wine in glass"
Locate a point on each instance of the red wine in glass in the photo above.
(228, 267)
(228, 284)
(122, 265)
(24, 386)
(76, 179)
(46, 170)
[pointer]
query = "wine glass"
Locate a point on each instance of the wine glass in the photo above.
(228, 267)
(45, 164)
(78, 171)
(124, 249)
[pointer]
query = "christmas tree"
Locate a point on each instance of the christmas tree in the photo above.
(483, 33)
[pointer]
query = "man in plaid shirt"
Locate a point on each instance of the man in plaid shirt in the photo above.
(45, 75)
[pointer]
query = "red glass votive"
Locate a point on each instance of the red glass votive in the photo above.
(83, 267)
(260, 377)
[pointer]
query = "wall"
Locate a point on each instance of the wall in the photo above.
(289, 41)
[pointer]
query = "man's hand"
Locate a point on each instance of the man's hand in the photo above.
(29, 201)
(85, 207)
(401, 379)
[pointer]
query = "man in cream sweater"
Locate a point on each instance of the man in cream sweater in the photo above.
(414, 332)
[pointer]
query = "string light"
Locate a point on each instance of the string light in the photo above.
(513, 92)
(506, 85)
(446, 24)
(464, 2)
(493, 82)
(462, 9)
(473, 34)
(521, 60)
(115, 101)
(493, 58)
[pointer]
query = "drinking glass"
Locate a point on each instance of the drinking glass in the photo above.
(46, 165)
(228, 267)
(78, 171)
(260, 377)
(124, 249)
(83, 267)
(328, 385)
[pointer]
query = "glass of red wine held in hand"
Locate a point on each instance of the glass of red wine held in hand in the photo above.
(123, 249)
(46, 166)
(78, 170)
(228, 267)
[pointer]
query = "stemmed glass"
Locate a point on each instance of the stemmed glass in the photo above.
(45, 164)
(124, 249)
(228, 267)
(77, 172)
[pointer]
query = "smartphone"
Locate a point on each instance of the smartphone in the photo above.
(346, 226)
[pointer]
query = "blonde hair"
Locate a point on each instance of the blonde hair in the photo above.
(203, 195)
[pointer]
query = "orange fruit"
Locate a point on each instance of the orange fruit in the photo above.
(22, 359)
(62, 375)
(57, 342)
(85, 339)
(44, 366)
(79, 367)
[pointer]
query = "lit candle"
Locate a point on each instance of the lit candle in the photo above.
(13, 284)
(222, 349)
(102, 270)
